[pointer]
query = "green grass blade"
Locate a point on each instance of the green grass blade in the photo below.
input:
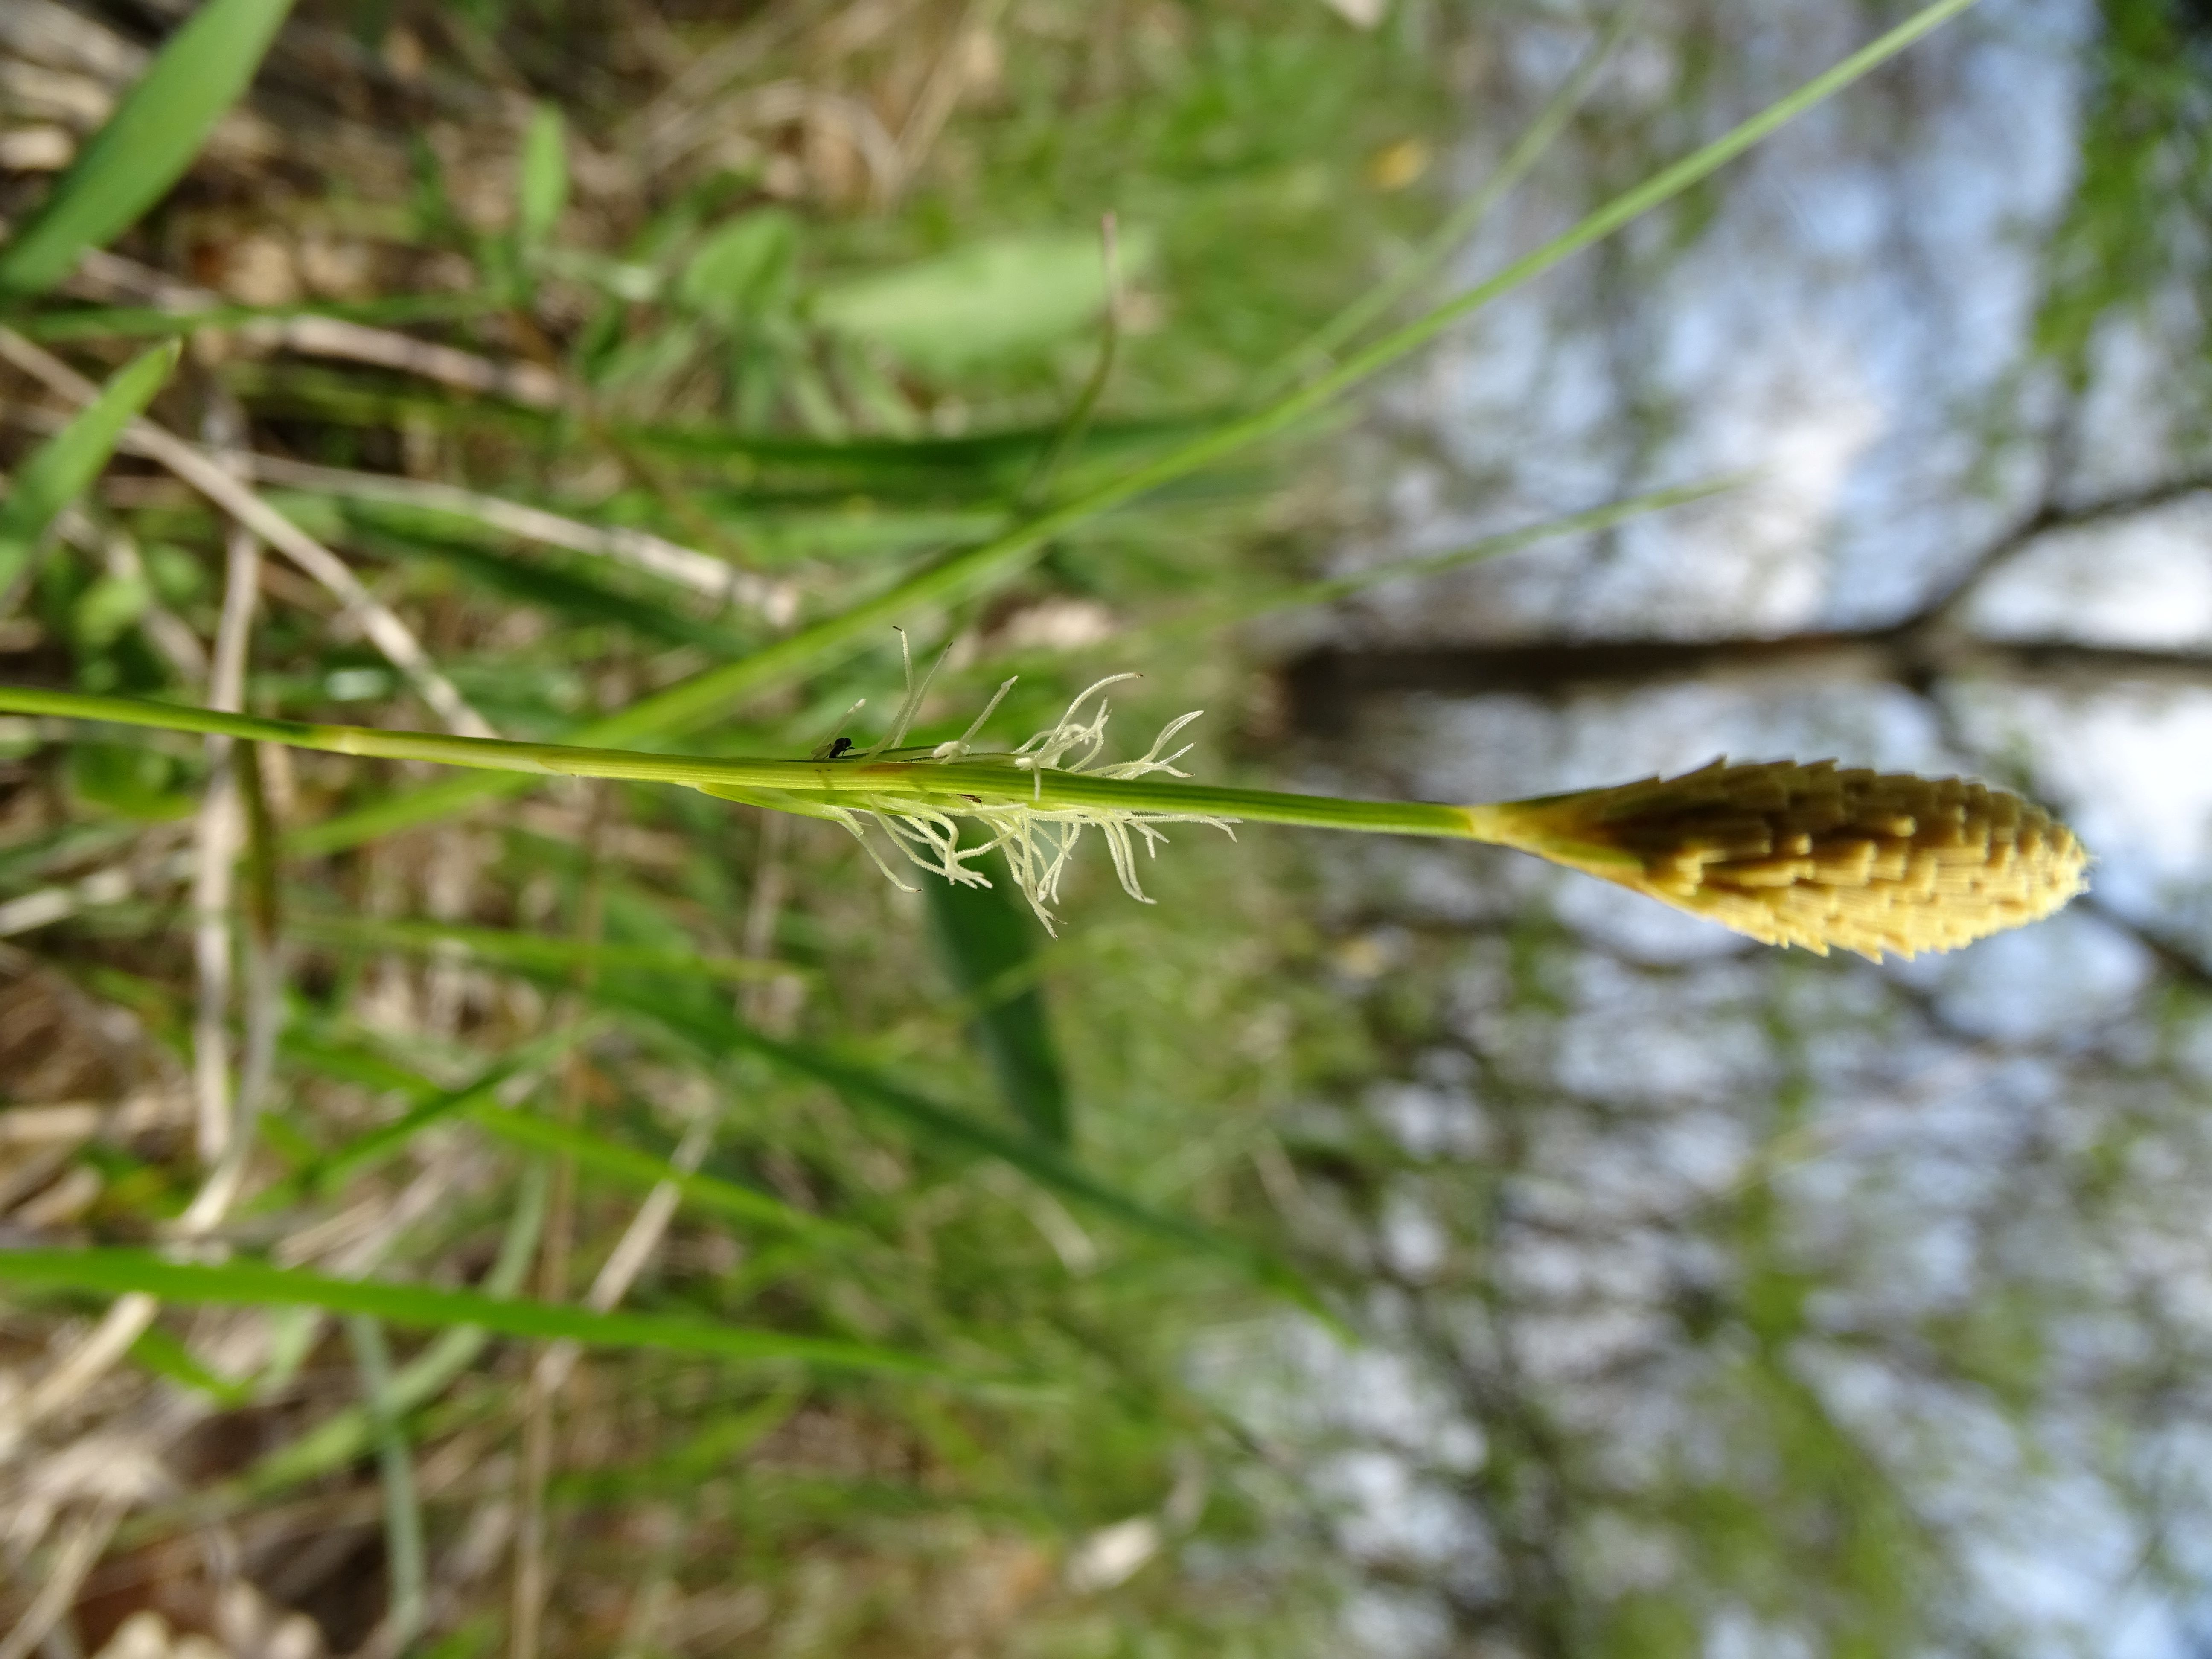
(541, 191)
(715, 1035)
(145, 322)
(344, 1435)
(253, 1283)
(705, 697)
(1328, 590)
(147, 144)
(537, 951)
(562, 585)
(478, 1101)
(64, 467)
(403, 1512)
(435, 1106)
(987, 936)
(161, 1352)
(622, 1164)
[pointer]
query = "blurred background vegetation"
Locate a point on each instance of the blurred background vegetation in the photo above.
(1376, 1248)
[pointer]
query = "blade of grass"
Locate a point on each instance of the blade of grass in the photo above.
(64, 466)
(963, 574)
(622, 1164)
(1038, 486)
(986, 935)
(161, 1352)
(141, 322)
(252, 1284)
(146, 145)
(435, 1106)
(715, 1035)
(1326, 590)
(570, 594)
(341, 1437)
(532, 951)
(408, 1598)
(946, 468)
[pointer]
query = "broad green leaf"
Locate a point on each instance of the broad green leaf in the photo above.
(744, 270)
(105, 611)
(129, 778)
(988, 938)
(989, 302)
(254, 1284)
(542, 186)
(147, 144)
(64, 467)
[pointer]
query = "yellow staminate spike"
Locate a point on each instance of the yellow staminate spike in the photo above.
(1808, 854)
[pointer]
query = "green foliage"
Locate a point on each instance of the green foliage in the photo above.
(2146, 177)
(119, 1271)
(986, 304)
(744, 270)
(62, 469)
(127, 779)
(990, 942)
(541, 186)
(147, 144)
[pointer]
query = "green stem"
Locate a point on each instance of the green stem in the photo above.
(804, 783)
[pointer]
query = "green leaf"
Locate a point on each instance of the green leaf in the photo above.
(433, 1105)
(990, 945)
(744, 270)
(535, 951)
(64, 467)
(567, 587)
(340, 1436)
(127, 779)
(1008, 298)
(542, 188)
(105, 611)
(254, 1284)
(161, 1352)
(642, 1169)
(147, 144)
(478, 1101)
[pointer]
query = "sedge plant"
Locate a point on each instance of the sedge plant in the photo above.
(1788, 853)
(1817, 856)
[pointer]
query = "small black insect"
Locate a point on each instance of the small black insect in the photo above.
(837, 748)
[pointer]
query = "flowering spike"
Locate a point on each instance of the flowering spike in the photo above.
(924, 823)
(1807, 855)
